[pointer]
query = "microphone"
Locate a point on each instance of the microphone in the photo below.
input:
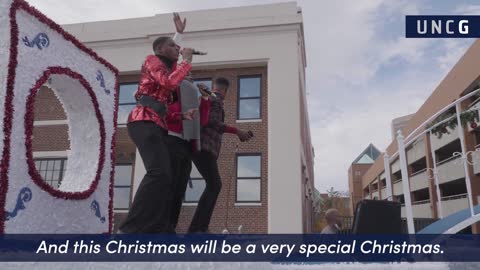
(210, 93)
(195, 52)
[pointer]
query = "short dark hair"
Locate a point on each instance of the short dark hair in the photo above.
(159, 43)
(222, 81)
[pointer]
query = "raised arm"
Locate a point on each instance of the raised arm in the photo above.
(179, 27)
(178, 39)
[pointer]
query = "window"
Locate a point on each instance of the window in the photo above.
(249, 97)
(421, 195)
(126, 101)
(122, 186)
(195, 186)
(249, 178)
(52, 170)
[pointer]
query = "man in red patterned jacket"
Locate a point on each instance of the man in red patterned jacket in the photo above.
(161, 76)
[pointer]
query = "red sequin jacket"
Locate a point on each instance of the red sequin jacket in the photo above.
(160, 83)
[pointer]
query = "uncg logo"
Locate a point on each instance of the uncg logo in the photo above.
(433, 27)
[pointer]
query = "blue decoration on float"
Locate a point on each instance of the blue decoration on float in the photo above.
(24, 196)
(41, 41)
(101, 79)
(96, 209)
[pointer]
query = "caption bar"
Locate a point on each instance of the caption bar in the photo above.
(266, 248)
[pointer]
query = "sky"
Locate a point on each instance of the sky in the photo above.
(362, 72)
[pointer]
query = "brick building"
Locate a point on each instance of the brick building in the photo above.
(435, 157)
(267, 182)
(357, 169)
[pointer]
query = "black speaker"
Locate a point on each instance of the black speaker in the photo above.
(374, 216)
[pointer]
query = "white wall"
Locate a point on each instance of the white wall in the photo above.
(284, 166)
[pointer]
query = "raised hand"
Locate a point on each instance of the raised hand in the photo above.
(187, 54)
(244, 136)
(190, 114)
(202, 87)
(179, 24)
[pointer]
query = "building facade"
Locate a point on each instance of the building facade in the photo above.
(437, 151)
(400, 123)
(268, 183)
(357, 169)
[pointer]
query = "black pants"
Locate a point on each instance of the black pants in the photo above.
(151, 208)
(207, 166)
(180, 152)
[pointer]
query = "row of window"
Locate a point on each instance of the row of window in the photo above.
(248, 184)
(51, 170)
(248, 102)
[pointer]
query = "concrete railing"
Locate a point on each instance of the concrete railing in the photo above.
(397, 188)
(446, 168)
(452, 204)
(422, 209)
(445, 139)
(476, 161)
(419, 180)
(416, 152)
(450, 169)
(383, 193)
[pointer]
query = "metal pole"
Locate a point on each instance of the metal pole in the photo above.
(435, 177)
(461, 136)
(405, 182)
(386, 162)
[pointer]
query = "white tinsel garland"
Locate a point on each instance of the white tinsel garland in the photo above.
(40, 52)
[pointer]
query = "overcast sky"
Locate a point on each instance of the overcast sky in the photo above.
(362, 72)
